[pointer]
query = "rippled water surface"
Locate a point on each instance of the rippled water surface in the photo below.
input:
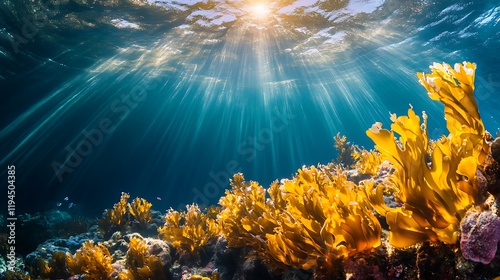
(167, 99)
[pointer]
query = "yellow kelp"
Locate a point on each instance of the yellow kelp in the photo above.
(94, 261)
(54, 269)
(117, 217)
(353, 156)
(345, 151)
(326, 217)
(246, 217)
(367, 162)
(188, 230)
(427, 175)
(318, 215)
(463, 121)
(140, 209)
(140, 263)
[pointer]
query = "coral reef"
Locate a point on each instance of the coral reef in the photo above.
(492, 177)
(72, 226)
(435, 261)
(360, 268)
(34, 229)
(55, 269)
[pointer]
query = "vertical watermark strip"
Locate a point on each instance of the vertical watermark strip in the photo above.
(11, 217)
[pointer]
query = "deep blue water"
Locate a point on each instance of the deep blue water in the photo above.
(167, 99)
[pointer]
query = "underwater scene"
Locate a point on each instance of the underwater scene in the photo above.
(249, 139)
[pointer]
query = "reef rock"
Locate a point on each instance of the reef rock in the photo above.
(480, 236)
(495, 149)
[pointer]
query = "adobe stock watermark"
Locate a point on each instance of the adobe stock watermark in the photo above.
(491, 84)
(248, 149)
(10, 244)
(120, 108)
(34, 23)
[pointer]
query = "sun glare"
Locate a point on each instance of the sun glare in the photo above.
(259, 10)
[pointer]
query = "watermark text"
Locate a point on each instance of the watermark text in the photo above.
(11, 217)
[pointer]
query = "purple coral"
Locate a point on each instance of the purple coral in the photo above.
(480, 236)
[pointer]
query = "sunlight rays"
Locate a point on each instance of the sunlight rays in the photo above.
(211, 89)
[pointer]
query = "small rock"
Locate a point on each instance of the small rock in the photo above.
(480, 236)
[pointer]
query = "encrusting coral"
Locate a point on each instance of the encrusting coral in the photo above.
(434, 195)
(189, 230)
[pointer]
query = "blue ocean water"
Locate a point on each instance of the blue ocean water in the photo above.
(167, 99)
